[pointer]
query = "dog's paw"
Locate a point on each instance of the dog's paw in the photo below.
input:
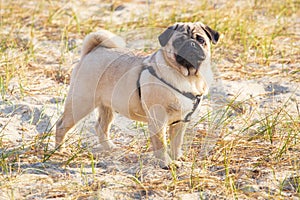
(61, 148)
(173, 165)
(182, 158)
(176, 155)
(169, 164)
(108, 146)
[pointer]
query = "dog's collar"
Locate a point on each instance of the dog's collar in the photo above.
(196, 98)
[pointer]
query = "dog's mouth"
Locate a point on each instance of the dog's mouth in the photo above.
(190, 55)
(191, 67)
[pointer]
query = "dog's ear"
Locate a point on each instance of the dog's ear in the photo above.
(212, 34)
(166, 35)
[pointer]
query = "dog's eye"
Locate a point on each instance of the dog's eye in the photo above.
(200, 39)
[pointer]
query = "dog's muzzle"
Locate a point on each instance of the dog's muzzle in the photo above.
(190, 55)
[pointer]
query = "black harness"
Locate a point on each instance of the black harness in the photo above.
(195, 98)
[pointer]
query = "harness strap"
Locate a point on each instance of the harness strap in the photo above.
(195, 98)
(187, 118)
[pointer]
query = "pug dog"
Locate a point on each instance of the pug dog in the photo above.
(163, 89)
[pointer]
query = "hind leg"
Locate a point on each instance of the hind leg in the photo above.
(103, 124)
(73, 113)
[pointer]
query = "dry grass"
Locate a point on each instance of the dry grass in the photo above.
(257, 155)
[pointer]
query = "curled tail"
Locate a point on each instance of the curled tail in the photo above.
(101, 38)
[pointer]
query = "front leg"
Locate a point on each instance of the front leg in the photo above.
(157, 123)
(176, 133)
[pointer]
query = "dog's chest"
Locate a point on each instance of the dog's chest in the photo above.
(178, 104)
(181, 104)
(181, 108)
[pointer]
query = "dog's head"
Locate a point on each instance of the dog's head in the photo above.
(187, 46)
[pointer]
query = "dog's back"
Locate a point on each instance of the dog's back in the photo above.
(106, 75)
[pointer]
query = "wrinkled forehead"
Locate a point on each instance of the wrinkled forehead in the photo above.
(190, 28)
